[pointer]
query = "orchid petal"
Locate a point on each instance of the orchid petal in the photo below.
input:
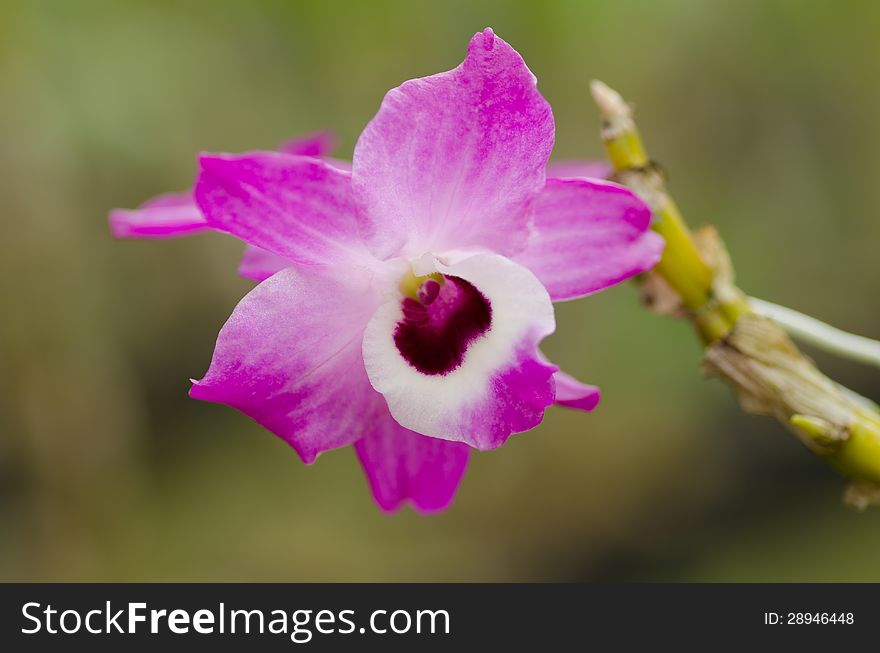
(453, 160)
(402, 465)
(589, 235)
(290, 358)
(176, 214)
(259, 264)
(492, 383)
(299, 208)
(165, 216)
(571, 393)
(317, 144)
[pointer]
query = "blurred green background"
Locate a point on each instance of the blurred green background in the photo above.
(765, 113)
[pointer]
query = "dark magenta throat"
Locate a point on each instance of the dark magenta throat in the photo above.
(437, 329)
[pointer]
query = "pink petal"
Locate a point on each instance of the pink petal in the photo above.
(317, 144)
(453, 160)
(578, 170)
(402, 465)
(518, 396)
(290, 358)
(176, 214)
(589, 235)
(492, 382)
(260, 264)
(165, 216)
(299, 208)
(571, 393)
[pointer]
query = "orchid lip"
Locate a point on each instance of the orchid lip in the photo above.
(440, 323)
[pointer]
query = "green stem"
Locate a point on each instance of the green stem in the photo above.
(681, 264)
(767, 371)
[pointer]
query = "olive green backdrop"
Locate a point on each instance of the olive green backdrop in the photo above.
(765, 113)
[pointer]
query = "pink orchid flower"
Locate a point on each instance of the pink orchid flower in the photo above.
(402, 303)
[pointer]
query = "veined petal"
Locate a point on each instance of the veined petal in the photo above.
(165, 216)
(176, 214)
(299, 208)
(405, 466)
(453, 160)
(578, 170)
(465, 368)
(259, 264)
(588, 235)
(290, 358)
